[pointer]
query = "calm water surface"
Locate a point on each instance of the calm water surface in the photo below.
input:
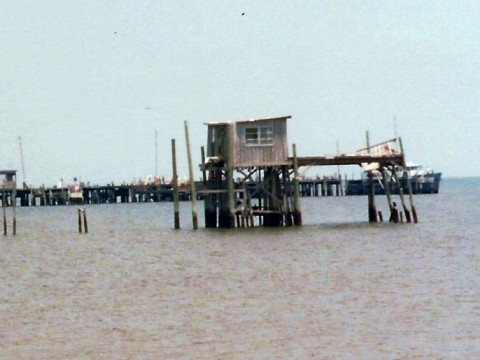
(336, 288)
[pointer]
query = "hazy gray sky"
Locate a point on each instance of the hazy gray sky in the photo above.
(86, 83)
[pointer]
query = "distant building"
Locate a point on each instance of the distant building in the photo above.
(8, 179)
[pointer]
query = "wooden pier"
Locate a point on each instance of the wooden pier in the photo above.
(98, 194)
(119, 194)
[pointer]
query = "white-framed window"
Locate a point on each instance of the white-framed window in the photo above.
(259, 135)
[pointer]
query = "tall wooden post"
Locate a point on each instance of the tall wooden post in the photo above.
(176, 210)
(204, 173)
(409, 185)
(32, 198)
(229, 177)
(372, 209)
(297, 214)
(400, 192)
(393, 211)
(192, 180)
(85, 222)
(387, 189)
(273, 199)
(214, 179)
(14, 206)
(79, 211)
(286, 195)
(260, 194)
(4, 206)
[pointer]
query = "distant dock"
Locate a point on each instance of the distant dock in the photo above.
(122, 194)
(98, 194)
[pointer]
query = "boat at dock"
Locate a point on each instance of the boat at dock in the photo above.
(422, 180)
(75, 194)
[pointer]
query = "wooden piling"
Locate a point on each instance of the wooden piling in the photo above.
(286, 197)
(340, 184)
(297, 214)
(204, 173)
(43, 197)
(251, 221)
(260, 194)
(176, 207)
(372, 210)
(387, 194)
(79, 220)
(210, 202)
(273, 215)
(229, 177)
(4, 206)
(82, 213)
(409, 185)
(400, 193)
(14, 206)
(33, 199)
(85, 223)
(380, 215)
(192, 180)
(243, 208)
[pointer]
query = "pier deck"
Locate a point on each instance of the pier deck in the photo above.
(394, 159)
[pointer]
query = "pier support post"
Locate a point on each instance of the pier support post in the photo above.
(214, 181)
(272, 204)
(380, 215)
(393, 211)
(79, 220)
(85, 223)
(400, 193)
(229, 178)
(297, 214)
(14, 206)
(409, 185)
(372, 209)
(4, 207)
(82, 213)
(287, 196)
(193, 193)
(176, 211)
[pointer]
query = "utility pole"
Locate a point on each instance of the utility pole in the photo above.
(156, 152)
(21, 156)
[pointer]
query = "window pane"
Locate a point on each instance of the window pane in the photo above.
(251, 136)
(266, 136)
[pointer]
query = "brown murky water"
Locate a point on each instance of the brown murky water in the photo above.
(337, 288)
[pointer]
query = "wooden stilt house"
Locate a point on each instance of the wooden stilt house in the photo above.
(247, 173)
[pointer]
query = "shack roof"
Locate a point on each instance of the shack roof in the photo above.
(248, 120)
(8, 172)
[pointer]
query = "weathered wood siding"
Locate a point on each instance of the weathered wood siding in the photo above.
(256, 155)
